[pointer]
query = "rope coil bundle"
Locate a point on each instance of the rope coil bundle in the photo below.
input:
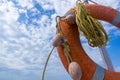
(91, 28)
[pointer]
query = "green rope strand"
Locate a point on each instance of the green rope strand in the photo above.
(47, 62)
(65, 45)
(91, 28)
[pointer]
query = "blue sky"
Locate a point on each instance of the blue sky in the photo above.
(26, 31)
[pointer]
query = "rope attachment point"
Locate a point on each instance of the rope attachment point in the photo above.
(57, 40)
(65, 43)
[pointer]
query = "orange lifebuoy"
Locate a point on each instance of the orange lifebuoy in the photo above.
(77, 53)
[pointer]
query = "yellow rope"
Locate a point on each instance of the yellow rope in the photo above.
(65, 45)
(46, 62)
(91, 28)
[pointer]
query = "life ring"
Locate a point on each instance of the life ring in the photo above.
(77, 53)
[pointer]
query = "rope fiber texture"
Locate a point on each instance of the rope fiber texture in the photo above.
(46, 62)
(90, 27)
(65, 44)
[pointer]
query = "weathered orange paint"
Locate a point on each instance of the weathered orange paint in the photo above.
(77, 53)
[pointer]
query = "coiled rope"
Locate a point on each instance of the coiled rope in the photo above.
(90, 27)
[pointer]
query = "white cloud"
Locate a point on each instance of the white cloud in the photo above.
(43, 20)
(23, 47)
(22, 10)
(60, 6)
(117, 69)
(117, 33)
(26, 3)
(8, 12)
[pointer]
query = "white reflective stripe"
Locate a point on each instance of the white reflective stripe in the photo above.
(85, 1)
(106, 58)
(99, 73)
(116, 19)
(68, 13)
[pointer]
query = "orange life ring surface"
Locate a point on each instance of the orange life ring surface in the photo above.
(77, 53)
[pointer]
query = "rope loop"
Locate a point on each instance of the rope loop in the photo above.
(65, 44)
(91, 28)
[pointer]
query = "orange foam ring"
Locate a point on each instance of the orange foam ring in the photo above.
(70, 32)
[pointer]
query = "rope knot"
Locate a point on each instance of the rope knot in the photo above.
(57, 40)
